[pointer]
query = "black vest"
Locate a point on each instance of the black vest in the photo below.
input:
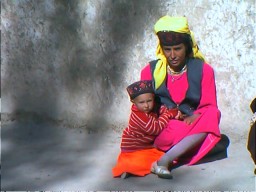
(193, 94)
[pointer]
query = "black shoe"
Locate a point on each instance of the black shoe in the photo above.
(125, 175)
(218, 152)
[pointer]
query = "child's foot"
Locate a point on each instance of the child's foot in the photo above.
(125, 175)
(161, 171)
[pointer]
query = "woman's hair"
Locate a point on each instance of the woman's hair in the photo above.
(170, 38)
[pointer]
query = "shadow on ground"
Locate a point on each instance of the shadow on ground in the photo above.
(34, 156)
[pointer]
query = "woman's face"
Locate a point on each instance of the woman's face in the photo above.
(175, 55)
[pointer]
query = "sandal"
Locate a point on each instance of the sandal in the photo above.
(161, 171)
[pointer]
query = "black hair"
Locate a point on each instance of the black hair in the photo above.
(170, 38)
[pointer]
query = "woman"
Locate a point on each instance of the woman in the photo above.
(182, 79)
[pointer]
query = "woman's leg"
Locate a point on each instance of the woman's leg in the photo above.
(181, 148)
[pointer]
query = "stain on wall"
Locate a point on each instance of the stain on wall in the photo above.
(70, 61)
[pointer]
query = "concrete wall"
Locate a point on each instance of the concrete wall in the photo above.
(70, 61)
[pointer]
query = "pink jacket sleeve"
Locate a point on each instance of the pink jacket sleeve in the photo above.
(208, 97)
(145, 73)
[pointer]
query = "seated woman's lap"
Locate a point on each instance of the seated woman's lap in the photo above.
(176, 130)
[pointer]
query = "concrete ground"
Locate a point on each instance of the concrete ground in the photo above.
(41, 156)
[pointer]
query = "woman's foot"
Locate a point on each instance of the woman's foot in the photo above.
(161, 171)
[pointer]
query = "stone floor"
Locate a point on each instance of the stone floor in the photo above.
(41, 156)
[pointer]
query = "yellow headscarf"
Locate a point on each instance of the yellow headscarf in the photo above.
(175, 24)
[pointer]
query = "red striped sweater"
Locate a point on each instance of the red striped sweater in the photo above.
(143, 128)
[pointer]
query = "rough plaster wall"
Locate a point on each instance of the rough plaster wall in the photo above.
(70, 61)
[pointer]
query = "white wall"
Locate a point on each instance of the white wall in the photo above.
(71, 62)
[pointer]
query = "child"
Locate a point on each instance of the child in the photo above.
(137, 150)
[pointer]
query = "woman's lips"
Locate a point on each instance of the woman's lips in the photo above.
(174, 62)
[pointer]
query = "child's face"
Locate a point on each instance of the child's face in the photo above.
(144, 102)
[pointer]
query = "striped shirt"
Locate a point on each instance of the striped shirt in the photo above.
(142, 129)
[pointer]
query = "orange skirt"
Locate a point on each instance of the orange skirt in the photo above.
(137, 162)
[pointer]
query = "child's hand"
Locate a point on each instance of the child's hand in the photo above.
(179, 116)
(163, 109)
(173, 113)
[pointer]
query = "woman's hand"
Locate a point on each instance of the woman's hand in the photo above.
(190, 119)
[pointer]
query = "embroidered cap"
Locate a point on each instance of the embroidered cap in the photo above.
(173, 38)
(140, 87)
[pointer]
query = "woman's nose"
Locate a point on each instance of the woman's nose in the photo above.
(172, 54)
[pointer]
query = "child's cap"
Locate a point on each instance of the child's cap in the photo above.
(139, 87)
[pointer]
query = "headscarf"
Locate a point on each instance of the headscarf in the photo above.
(171, 24)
